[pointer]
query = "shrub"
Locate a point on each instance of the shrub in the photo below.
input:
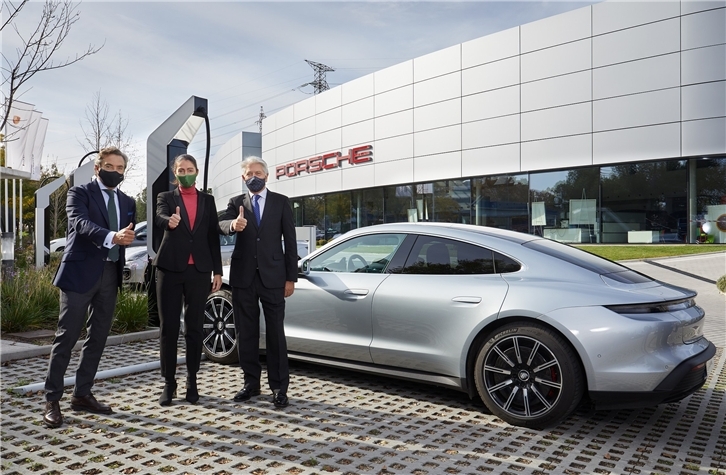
(721, 284)
(132, 312)
(29, 300)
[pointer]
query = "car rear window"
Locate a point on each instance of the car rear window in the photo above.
(588, 261)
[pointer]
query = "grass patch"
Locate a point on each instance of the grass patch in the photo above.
(649, 251)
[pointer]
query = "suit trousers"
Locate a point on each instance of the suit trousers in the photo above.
(189, 289)
(99, 304)
(246, 306)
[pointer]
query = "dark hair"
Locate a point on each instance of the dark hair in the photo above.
(180, 158)
(104, 152)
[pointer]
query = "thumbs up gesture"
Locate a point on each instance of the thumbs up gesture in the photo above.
(174, 219)
(239, 223)
(125, 236)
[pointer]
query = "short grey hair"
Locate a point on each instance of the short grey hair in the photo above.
(252, 159)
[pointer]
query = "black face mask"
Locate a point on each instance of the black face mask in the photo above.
(255, 184)
(110, 179)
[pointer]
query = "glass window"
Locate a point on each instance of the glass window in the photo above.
(432, 255)
(644, 202)
(398, 200)
(710, 201)
(367, 207)
(368, 254)
(504, 264)
(501, 201)
(337, 214)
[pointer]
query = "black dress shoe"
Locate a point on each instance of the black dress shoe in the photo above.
(168, 393)
(246, 393)
(279, 399)
(89, 404)
(52, 417)
(192, 393)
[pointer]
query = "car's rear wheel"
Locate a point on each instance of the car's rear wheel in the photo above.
(220, 336)
(528, 375)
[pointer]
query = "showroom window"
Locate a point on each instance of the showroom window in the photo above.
(710, 200)
(501, 201)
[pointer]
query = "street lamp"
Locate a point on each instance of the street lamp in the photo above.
(7, 242)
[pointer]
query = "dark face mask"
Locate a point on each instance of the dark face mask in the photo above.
(110, 179)
(255, 184)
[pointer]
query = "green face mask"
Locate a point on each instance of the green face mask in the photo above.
(186, 181)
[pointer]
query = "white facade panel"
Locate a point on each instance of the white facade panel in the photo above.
(394, 77)
(329, 99)
(283, 154)
(440, 114)
(564, 59)
(637, 110)
(304, 109)
(490, 104)
(490, 76)
(269, 140)
(304, 148)
(304, 128)
(557, 91)
(304, 185)
(486, 133)
(556, 30)
(560, 152)
(703, 101)
(703, 29)
(394, 100)
(693, 6)
(394, 124)
(328, 181)
(285, 135)
(636, 43)
(641, 143)
(395, 172)
(612, 16)
(357, 89)
(500, 45)
(284, 118)
(637, 76)
(557, 122)
(286, 187)
(328, 120)
(357, 111)
(359, 176)
(437, 167)
(445, 139)
(704, 64)
(436, 64)
(358, 133)
(490, 160)
(329, 141)
(437, 89)
(395, 148)
(703, 137)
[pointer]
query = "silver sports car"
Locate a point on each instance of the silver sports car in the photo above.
(531, 326)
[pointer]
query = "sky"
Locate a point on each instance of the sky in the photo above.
(238, 55)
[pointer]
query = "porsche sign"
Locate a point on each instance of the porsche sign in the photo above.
(327, 161)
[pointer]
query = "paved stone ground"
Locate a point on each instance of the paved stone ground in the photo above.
(342, 422)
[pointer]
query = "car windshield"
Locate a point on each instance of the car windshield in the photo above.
(587, 261)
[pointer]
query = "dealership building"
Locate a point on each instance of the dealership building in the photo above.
(605, 124)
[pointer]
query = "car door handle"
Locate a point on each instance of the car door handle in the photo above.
(358, 292)
(467, 299)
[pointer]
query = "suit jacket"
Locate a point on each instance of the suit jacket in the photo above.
(88, 225)
(202, 242)
(261, 247)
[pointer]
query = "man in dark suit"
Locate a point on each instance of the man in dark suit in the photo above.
(261, 272)
(100, 225)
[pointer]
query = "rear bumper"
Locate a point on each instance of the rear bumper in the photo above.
(684, 380)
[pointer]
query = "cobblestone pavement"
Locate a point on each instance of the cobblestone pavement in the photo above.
(342, 422)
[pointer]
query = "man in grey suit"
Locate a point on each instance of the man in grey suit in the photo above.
(261, 272)
(100, 225)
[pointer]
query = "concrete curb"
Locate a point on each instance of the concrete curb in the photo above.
(45, 349)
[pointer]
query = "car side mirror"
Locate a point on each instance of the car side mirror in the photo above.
(303, 267)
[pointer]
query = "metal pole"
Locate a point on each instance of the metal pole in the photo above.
(20, 216)
(6, 228)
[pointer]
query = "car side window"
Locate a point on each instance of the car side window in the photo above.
(504, 264)
(437, 256)
(367, 254)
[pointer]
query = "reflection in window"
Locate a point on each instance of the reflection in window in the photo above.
(710, 202)
(364, 254)
(501, 201)
(444, 256)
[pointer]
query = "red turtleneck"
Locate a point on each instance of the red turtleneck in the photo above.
(189, 196)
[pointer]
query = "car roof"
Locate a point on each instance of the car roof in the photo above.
(448, 228)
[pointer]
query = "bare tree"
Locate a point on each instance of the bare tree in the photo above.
(97, 135)
(37, 48)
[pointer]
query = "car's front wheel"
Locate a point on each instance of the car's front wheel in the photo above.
(220, 336)
(528, 375)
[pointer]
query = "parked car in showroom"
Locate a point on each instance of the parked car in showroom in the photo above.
(59, 244)
(531, 326)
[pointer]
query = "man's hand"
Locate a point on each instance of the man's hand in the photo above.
(125, 236)
(216, 282)
(174, 219)
(289, 288)
(239, 223)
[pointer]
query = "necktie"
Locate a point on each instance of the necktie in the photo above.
(113, 222)
(256, 208)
